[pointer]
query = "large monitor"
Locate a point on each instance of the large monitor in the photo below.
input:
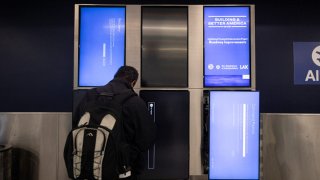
(168, 158)
(164, 46)
(229, 60)
(99, 48)
(234, 140)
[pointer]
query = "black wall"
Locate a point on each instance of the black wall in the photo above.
(277, 27)
(36, 53)
(36, 57)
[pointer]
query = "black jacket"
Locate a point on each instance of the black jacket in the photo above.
(140, 130)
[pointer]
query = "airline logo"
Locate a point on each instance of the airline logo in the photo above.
(316, 55)
(306, 63)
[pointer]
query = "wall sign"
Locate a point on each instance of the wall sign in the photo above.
(306, 57)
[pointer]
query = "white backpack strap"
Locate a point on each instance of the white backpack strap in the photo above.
(108, 121)
(78, 136)
(84, 119)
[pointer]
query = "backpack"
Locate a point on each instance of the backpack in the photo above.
(96, 148)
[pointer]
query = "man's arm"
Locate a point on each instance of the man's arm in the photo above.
(144, 127)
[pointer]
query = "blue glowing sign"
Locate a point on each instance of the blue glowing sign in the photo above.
(227, 46)
(101, 44)
(234, 135)
(306, 63)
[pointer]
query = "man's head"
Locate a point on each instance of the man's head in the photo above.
(127, 73)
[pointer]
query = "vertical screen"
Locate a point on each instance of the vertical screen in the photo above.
(227, 46)
(168, 158)
(164, 49)
(101, 44)
(234, 135)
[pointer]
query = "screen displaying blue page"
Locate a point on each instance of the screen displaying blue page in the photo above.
(101, 44)
(226, 46)
(234, 135)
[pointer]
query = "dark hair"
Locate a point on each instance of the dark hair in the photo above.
(127, 73)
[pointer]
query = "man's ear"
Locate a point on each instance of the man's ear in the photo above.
(133, 83)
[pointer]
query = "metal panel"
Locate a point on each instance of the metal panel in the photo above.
(38, 140)
(291, 146)
(195, 132)
(164, 46)
(133, 38)
(64, 126)
(195, 46)
(75, 47)
(253, 47)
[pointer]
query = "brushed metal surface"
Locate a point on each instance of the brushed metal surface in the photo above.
(164, 56)
(133, 38)
(38, 138)
(253, 47)
(291, 146)
(290, 142)
(5, 162)
(76, 47)
(195, 46)
(199, 177)
(64, 126)
(195, 129)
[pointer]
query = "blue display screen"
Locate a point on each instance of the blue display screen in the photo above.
(234, 135)
(101, 44)
(227, 46)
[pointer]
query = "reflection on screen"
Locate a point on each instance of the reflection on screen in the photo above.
(226, 46)
(234, 135)
(101, 44)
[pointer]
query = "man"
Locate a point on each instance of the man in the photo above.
(139, 128)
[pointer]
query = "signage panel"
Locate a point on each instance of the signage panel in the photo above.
(227, 39)
(306, 57)
(234, 135)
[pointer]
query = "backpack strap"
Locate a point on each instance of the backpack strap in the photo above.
(84, 119)
(108, 121)
(94, 96)
(121, 97)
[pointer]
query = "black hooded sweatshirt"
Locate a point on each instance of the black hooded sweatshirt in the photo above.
(140, 130)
